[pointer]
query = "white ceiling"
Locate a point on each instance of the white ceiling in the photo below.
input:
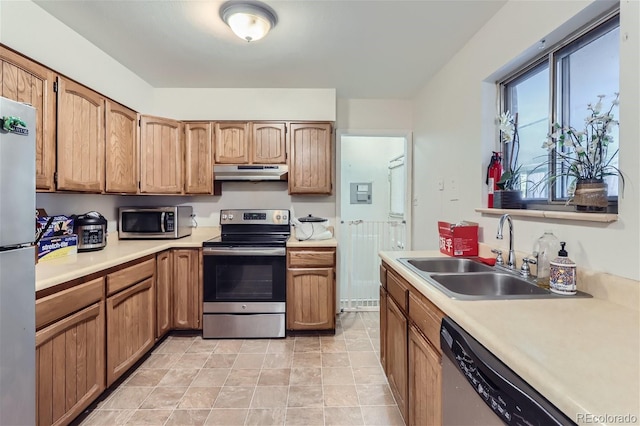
(362, 48)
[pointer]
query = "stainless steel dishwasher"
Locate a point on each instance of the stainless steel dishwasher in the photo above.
(478, 389)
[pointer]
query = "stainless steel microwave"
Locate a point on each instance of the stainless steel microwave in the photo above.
(137, 223)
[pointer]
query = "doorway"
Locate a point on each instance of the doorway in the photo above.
(373, 210)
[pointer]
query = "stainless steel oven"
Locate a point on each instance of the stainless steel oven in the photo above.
(244, 275)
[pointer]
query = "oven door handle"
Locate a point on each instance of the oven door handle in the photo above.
(244, 251)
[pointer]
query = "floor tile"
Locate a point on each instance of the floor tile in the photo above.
(179, 377)
(340, 395)
(160, 360)
(305, 396)
(107, 418)
(234, 397)
(228, 347)
(146, 377)
(149, 417)
(187, 418)
(340, 359)
(249, 361)
(242, 378)
(364, 359)
(227, 417)
(178, 346)
(164, 398)
(278, 360)
(382, 416)
(266, 416)
(280, 346)
(338, 376)
(128, 397)
(202, 345)
(220, 361)
(307, 359)
(306, 376)
(307, 344)
(304, 417)
(196, 397)
(375, 395)
(369, 375)
(270, 397)
(258, 346)
(343, 416)
(211, 377)
(192, 360)
(331, 346)
(359, 345)
(274, 377)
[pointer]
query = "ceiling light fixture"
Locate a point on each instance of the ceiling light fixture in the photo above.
(248, 20)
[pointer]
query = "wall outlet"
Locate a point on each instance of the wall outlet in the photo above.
(453, 190)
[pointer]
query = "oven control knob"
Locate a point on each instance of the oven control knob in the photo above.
(224, 217)
(277, 217)
(230, 217)
(244, 306)
(284, 217)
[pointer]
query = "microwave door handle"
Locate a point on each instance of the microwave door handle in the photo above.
(162, 222)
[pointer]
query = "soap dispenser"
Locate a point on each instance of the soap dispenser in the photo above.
(562, 278)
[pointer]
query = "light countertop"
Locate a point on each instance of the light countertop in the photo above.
(583, 355)
(294, 242)
(57, 271)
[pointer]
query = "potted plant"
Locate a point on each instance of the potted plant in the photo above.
(582, 157)
(509, 196)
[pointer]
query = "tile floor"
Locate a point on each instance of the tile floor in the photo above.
(310, 380)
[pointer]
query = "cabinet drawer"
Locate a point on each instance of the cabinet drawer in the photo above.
(398, 289)
(311, 258)
(129, 276)
(427, 317)
(63, 303)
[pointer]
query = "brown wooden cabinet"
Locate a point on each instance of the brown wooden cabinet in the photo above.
(25, 81)
(383, 328)
(310, 162)
(164, 293)
(130, 316)
(425, 380)
(396, 355)
(232, 142)
(311, 290)
(70, 352)
(268, 143)
(187, 289)
(161, 155)
(81, 138)
(121, 153)
(198, 158)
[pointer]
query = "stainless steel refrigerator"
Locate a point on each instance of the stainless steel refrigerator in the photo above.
(17, 263)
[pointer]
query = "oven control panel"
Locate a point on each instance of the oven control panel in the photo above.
(254, 217)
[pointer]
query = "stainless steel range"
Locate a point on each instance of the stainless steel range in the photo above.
(244, 275)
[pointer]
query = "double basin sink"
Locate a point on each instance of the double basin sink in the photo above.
(467, 279)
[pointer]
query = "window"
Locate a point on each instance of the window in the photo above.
(557, 88)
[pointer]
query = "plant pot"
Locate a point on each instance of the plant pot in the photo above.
(591, 196)
(507, 199)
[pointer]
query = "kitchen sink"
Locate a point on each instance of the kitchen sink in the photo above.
(466, 279)
(448, 264)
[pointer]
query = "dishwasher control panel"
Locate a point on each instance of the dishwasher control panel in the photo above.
(511, 399)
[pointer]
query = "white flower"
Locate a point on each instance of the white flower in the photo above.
(579, 149)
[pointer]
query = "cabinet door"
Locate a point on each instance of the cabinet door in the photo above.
(121, 153)
(269, 143)
(25, 81)
(161, 156)
(81, 137)
(198, 158)
(383, 328)
(70, 361)
(396, 355)
(130, 327)
(232, 143)
(425, 381)
(310, 299)
(310, 158)
(164, 294)
(187, 291)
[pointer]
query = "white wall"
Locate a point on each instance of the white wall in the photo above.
(375, 114)
(454, 133)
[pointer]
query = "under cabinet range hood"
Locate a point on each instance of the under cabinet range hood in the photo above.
(250, 172)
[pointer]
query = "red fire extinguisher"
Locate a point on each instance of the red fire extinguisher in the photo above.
(494, 172)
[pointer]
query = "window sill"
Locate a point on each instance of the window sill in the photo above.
(548, 214)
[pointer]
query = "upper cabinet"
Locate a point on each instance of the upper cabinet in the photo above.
(81, 138)
(25, 81)
(198, 158)
(121, 154)
(310, 162)
(268, 143)
(232, 142)
(161, 155)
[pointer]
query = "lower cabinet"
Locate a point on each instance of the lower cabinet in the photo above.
(164, 293)
(383, 328)
(187, 289)
(425, 381)
(70, 352)
(396, 355)
(311, 289)
(130, 317)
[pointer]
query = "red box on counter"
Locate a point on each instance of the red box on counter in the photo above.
(458, 239)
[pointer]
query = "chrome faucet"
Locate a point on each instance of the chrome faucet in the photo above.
(511, 262)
